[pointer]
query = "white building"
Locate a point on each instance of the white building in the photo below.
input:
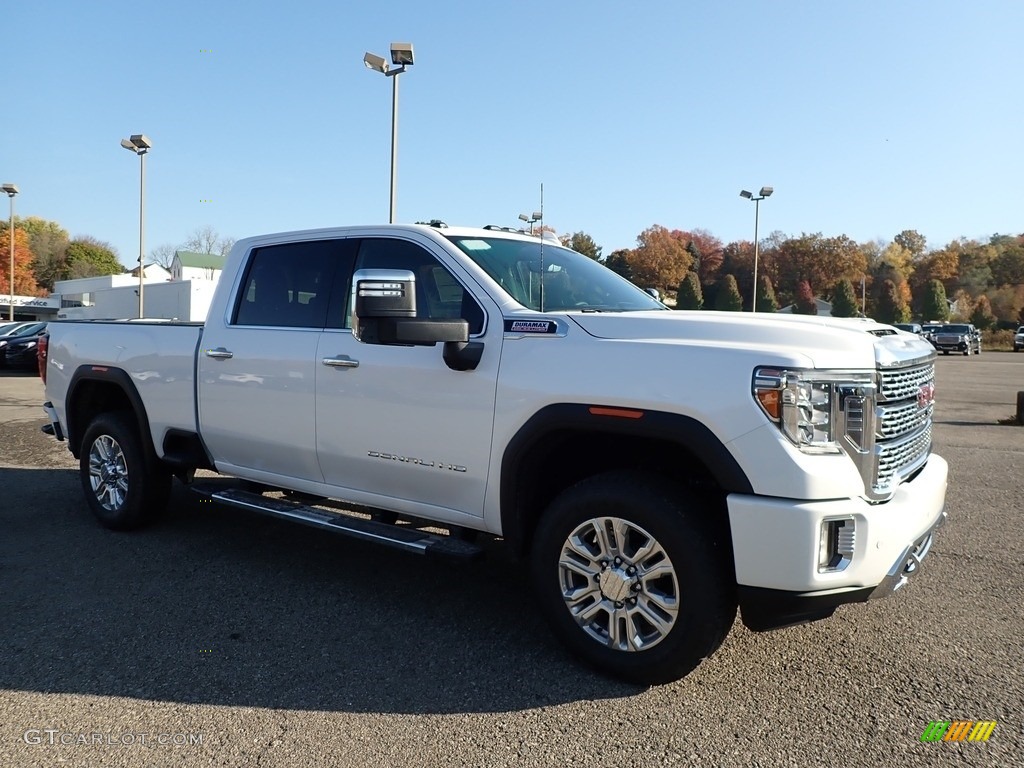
(188, 265)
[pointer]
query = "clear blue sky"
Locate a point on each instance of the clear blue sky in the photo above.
(867, 117)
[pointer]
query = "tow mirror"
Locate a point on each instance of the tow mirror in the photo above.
(384, 303)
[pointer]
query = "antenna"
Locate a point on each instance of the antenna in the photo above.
(542, 246)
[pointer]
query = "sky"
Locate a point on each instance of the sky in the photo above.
(866, 117)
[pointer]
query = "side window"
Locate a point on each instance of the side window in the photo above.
(288, 285)
(438, 294)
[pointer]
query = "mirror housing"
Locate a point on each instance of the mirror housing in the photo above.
(384, 312)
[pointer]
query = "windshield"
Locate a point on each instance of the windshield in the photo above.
(570, 281)
(955, 329)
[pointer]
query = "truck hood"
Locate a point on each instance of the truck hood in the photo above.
(821, 342)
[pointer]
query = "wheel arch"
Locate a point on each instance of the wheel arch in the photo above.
(95, 390)
(582, 440)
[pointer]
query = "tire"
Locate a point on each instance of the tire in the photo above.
(646, 630)
(125, 488)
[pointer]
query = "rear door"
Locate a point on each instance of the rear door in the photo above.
(257, 367)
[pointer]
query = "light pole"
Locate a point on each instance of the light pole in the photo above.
(11, 190)
(532, 219)
(140, 145)
(401, 57)
(765, 192)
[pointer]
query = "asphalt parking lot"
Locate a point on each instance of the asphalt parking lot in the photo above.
(277, 645)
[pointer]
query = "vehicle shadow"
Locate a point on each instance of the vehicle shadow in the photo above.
(218, 606)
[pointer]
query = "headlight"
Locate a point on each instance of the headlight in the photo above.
(30, 344)
(807, 404)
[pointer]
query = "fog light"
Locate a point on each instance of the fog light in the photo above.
(836, 545)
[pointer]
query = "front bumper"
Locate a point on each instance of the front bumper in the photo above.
(776, 542)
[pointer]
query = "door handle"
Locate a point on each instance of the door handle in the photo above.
(340, 362)
(219, 353)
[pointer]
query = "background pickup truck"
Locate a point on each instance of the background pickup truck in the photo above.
(656, 469)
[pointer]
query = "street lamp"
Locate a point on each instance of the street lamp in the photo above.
(765, 192)
(401, 57)
(140, 145)
(532, 219)
(11, 190)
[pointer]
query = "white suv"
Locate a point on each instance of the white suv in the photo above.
(1018, 340)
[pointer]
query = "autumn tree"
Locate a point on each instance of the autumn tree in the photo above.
(1008, 266)
(820, 261)
(912, 241)
(982, 316)
(24, 278)
(48, 241)
(689, 295)
(844, 301)
(728, 298)
(1007, 303)
(805, 303)
(660, 259)
(766, 301)
(89, 257)
(583, 243)
(934, 305)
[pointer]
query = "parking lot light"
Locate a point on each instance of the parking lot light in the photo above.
(11, 190)
(401, 57)
(765, 192)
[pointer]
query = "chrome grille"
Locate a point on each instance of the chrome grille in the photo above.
(899, 458)
(901, 383)
(898, 420)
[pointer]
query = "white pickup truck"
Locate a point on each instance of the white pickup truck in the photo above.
(656, 469)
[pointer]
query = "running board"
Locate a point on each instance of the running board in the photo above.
(404, 538)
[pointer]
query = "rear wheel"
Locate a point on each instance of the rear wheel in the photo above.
(124, 487)
(634, 577)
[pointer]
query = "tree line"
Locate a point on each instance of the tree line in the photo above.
(45, 254)
(892, 281)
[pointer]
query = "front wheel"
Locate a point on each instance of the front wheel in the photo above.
(634, 577)
(124, 487)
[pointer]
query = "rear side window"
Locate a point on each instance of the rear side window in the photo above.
(288, 285)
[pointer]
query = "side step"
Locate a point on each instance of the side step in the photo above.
(404, 538)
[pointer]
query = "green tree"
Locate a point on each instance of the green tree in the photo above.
(805, 303)
(766, 301)
(728, 298)
(982, 316)
(618, 262)
(1008, 266)
(690, 295)
(89, 257)
(48, 241)
(583, 243)
(844, 301)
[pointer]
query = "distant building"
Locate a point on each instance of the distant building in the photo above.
(824, 308)
(188, 265)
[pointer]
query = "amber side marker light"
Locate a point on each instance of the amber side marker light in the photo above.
(41, 351)
(622, 413)
(770, 401)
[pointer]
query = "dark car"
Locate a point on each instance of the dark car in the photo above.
(20, 351)
(958, 337)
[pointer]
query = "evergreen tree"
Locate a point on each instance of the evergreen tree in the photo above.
(766, 301)
(690, 295)
(891, 308)
(844, 302)
(728, 298)
(934, 306)
(618, 262)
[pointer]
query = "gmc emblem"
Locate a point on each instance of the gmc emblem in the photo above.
(926, 395)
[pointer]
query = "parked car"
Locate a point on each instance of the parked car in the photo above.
(958, 337)
(20, 351)
(12, 328)
(909, 327)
